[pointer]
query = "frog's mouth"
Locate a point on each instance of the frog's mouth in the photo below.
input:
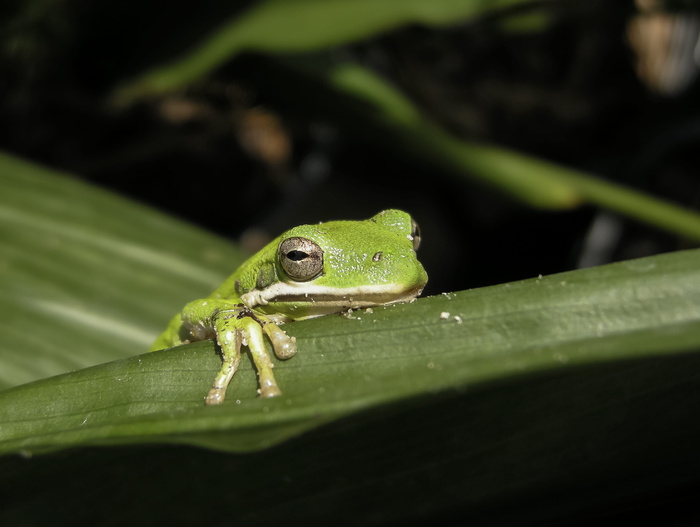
(332, 299)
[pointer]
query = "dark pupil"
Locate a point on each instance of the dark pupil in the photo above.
(296, 256)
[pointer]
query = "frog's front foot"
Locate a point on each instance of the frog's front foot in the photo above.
(236, 326)
(268, 388)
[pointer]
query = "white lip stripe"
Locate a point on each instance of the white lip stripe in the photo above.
(343, 296)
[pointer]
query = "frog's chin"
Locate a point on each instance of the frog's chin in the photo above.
(299, 303)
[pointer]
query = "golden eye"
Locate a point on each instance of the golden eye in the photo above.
(415, 235)
(301, 258)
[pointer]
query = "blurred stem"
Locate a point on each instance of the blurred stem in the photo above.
(358, 98)
(537, 182)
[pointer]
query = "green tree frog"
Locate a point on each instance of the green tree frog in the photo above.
(308, 271)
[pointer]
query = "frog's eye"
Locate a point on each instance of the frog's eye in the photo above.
(415, 235)
(301, 258)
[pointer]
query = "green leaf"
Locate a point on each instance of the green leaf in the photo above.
(86, 276)
(459, 341)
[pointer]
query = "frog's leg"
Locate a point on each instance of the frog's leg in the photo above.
(256, 345)
(229, 336)
(285, 346)
(234, 325)
(232, 328)
(208, 319)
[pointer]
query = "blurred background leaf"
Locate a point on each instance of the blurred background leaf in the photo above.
(306, 25)
(87, 276)
(296, 26)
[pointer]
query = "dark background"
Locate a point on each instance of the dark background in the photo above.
(246, 155)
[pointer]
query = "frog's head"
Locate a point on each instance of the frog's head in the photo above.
(313, 270)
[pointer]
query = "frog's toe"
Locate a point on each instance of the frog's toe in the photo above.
(285, 346)
(269, 389)
(286, 349)
(215, 396)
